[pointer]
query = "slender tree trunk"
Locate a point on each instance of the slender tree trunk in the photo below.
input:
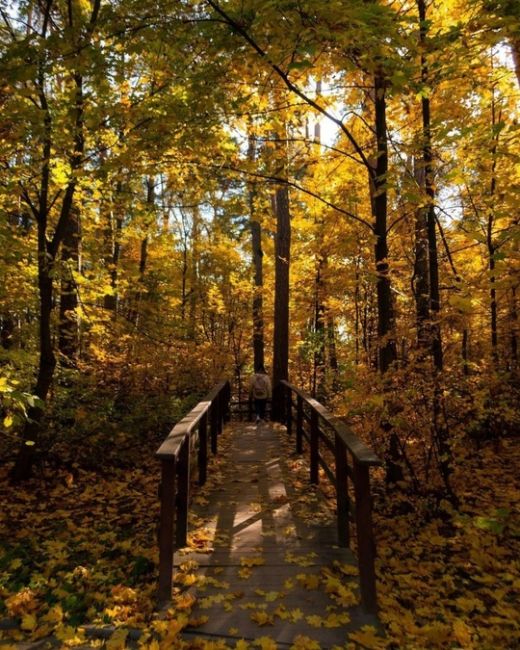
(514, 329)
(193, 295)
(429, 187)
(465, 357)
(331, 340)
(143, 253)
(115, 227)
(319, 332)
(421, 284)
(491, 248)
(385, 328)
(256, 246)
(68, 337)
(281, 299)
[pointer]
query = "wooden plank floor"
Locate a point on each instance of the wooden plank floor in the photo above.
(266, 573)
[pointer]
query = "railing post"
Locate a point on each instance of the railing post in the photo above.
(213, 427)
(220, 412)
(183, 494)
(203, 449)
(365, 538)
(288, 409)
(342, 500)
(227, 399)
(314, 447)
(299, 424)
(166, 547)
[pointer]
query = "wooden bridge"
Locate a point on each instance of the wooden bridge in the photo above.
(279, 562)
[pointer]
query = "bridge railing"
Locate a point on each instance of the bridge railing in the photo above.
(177, 455)
(351, 462)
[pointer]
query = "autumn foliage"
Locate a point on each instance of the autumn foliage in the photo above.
(154, 156)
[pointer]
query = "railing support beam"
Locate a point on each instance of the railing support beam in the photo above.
(365, 538)
(166, 547)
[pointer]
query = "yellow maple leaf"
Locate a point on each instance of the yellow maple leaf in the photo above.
(308, 580)
(368, 638)
(266, 643)
(462, 633)
(117, 640)
(261, 617)
(29, 622)
(244, 573)
(302, 642)
(241, 645)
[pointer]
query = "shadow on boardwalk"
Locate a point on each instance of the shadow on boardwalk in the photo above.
(274, 568)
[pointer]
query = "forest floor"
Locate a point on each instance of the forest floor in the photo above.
(78, 560)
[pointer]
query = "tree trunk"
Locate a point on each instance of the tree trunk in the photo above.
(256, 246)
(68, 337)
(514, 329)
(421, 284)
(115, 226)
(385, 326)
(281, 299)
(192, 306)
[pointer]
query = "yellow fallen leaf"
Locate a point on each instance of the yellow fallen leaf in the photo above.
(266, 643)
(261, 618)
(462, 633)
(308, 580)
(302, 642)
(28, 622)
(117, 640)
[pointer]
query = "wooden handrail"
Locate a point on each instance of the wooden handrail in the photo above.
(345, 444)
(356, 447)
(176, 460)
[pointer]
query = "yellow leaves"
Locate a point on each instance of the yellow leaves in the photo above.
(266, 643)
(29, 622)
(23, 602)
(308, 580)
(261, 618)
(462, 633)
(244, 573)
(301, 560)
(54, 615)
(367, 637)
(184, 602)
(117, 640)
(69, 636)
(302, 642)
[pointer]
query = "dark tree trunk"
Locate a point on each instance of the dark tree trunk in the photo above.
(429, 186)
(385, 328)
(193, 294)
(68, 337)
(514, 329)
(7, 327)
(256, 246)
(143, 256)
(331, 340)
(319, 333)
(115, 226)
(281, 299)
(421, 284)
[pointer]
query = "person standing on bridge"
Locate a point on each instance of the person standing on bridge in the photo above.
(260, 392)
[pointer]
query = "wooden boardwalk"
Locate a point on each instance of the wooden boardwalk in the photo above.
(272, 567)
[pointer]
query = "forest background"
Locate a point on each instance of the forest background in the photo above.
(187, 188)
